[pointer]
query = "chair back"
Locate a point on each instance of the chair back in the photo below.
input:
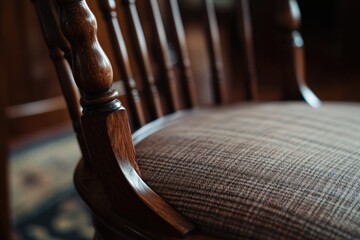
(157, 78)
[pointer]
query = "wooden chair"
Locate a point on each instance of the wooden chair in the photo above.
(252, 170)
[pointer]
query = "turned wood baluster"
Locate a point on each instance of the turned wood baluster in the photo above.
(108, 8)
(245, 29)
(165, 63)
(186, 76)
(143, 58)
(214, 48)
(107, 131)
(59, 47)
(289, 18)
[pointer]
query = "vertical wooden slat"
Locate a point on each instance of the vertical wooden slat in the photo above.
(143, 58)
(245, 29)
(289, 17)
(214, 48)
(108, 8)
(165, 63)
(186, 75)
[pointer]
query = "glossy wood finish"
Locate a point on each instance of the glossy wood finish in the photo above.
(108, 178)
(108, 8)
(186, 76)
(60, 53)
(289, 17)
(153, 101)
(167, 70)
(107, 131)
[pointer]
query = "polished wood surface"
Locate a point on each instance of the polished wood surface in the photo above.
(153, 100)
(108, 178)
(167, 70)
(289, 17)
(187, 83)
(107, 132)
(108, 8)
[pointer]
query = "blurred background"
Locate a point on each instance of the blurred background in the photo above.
(43, 202)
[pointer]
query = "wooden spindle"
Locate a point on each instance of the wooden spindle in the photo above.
(289, 18)
(186, 78)
(60, 50)
(165, 63)
(245, 29)
(107, 131)
(143, 58)
(214, 48)
(108, 8)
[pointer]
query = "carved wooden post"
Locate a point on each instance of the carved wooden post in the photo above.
(107, 131)
(60, 49)
(289, 18)
(108, 8)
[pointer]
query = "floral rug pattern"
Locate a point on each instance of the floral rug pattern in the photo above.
(44, 204)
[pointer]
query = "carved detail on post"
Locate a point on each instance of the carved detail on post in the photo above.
(108, 135)
(58, 47)
(59, 50)
(96, 75)
(289, 18)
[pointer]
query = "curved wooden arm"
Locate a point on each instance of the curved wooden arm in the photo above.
(289, 17)
(107, 131)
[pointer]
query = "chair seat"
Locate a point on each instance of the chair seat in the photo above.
(274, 170)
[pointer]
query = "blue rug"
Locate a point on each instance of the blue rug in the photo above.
(44, 203)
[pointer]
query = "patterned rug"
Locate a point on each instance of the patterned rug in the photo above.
(44, 204)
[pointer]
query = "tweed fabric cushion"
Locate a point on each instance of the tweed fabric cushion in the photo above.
(264, 171)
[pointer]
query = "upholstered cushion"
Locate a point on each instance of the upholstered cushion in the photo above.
(277, 170)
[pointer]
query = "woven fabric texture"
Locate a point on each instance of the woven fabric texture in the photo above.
(264, 171)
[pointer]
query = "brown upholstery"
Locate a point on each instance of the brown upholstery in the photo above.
(274, 170)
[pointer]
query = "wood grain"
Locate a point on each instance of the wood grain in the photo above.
(172, 95)
(108, 8)
(187, 83)
(143, 59)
